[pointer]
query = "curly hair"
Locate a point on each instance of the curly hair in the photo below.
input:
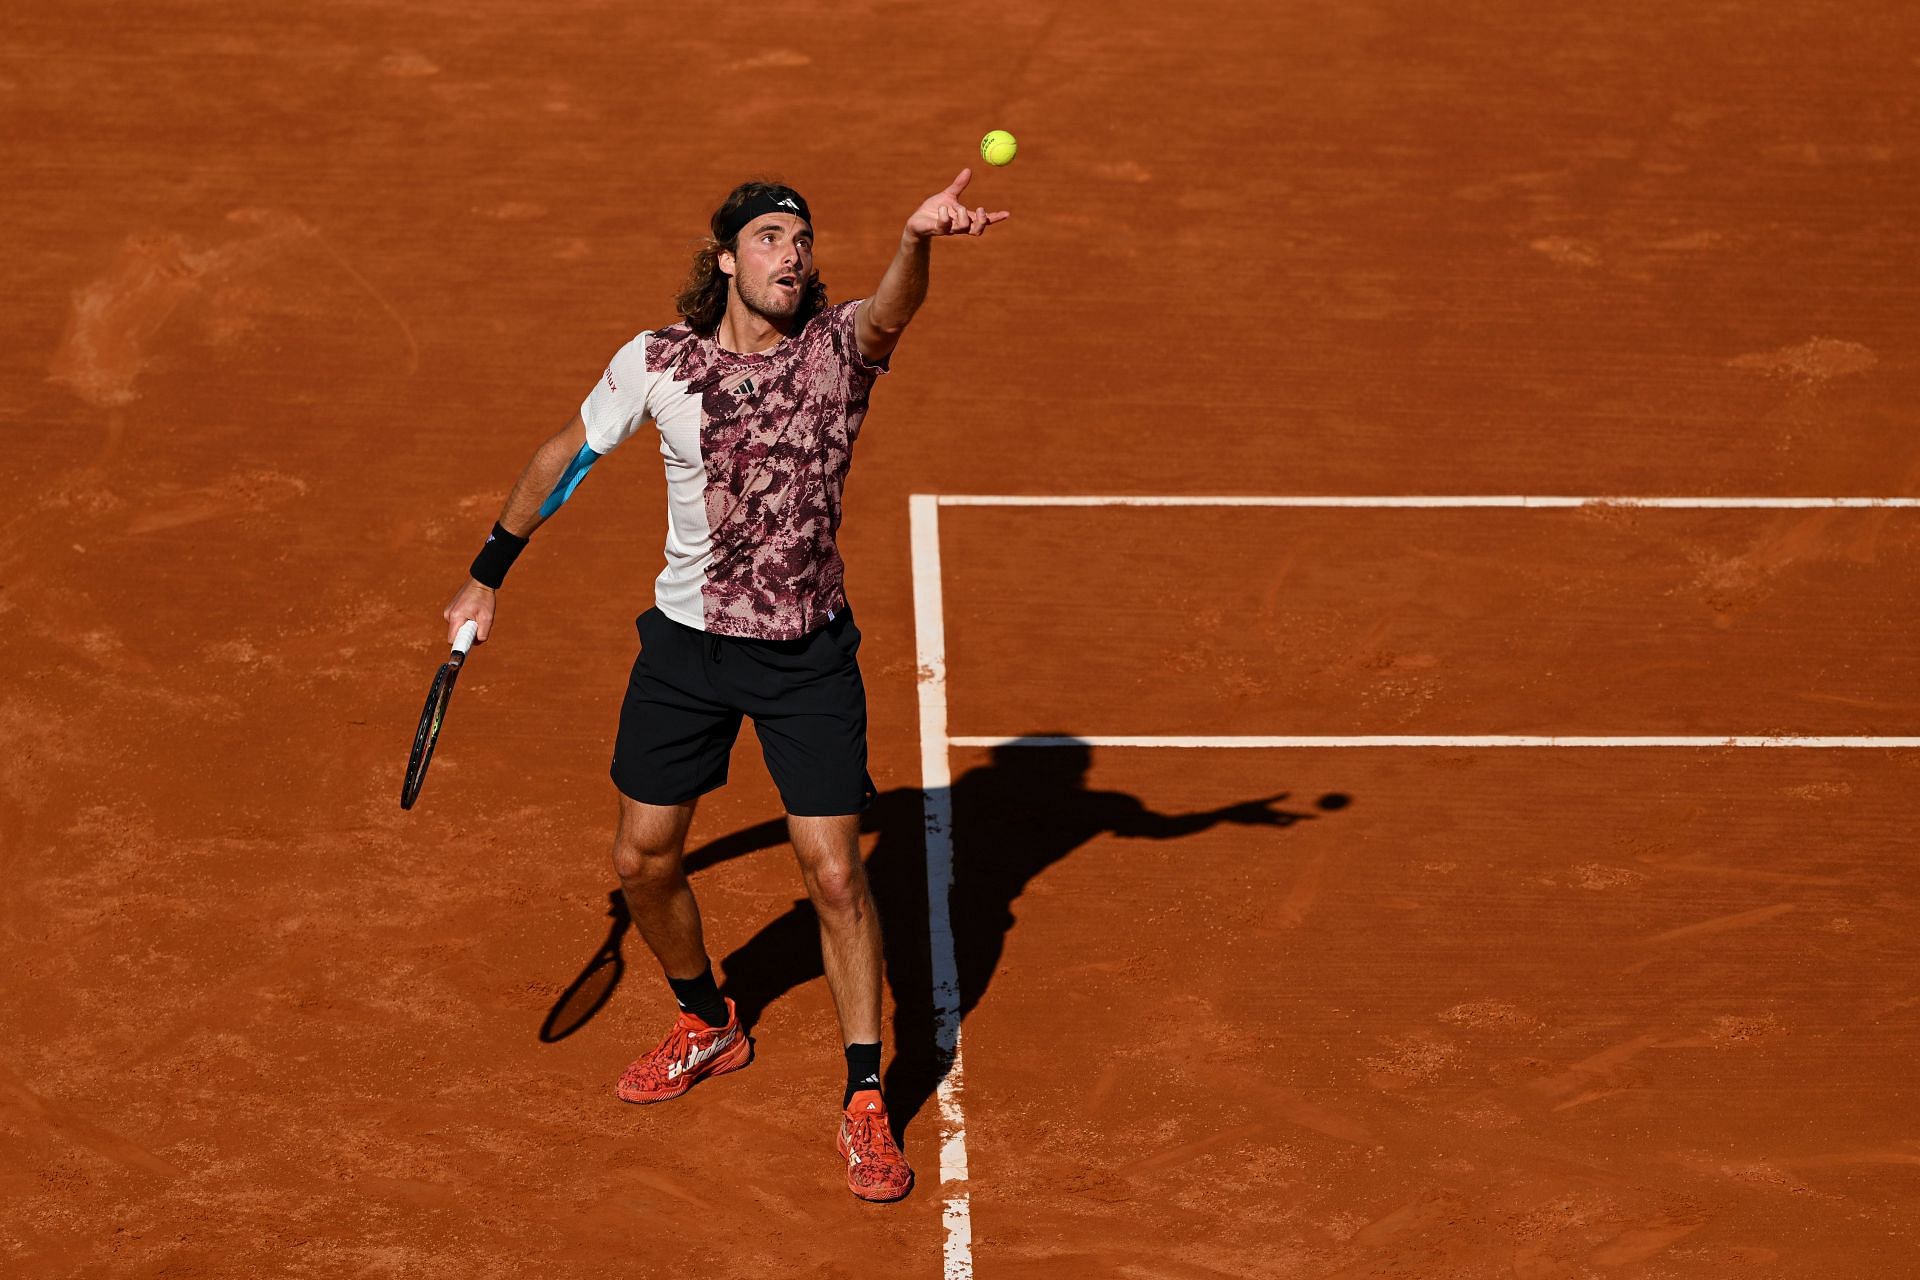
(702, 301)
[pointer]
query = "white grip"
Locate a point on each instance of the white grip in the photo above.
(464, 641)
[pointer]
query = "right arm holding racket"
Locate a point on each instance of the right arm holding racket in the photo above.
(557, 467)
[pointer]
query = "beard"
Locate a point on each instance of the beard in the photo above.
(768, 302)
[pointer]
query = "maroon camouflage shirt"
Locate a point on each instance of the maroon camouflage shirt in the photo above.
(756, 449)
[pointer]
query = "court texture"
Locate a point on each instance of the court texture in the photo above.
(1389, 590)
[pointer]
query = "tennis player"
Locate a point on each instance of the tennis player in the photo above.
(757, 395)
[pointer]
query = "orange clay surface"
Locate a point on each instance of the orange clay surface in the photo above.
(293, 290)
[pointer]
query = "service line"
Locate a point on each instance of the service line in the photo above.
(1311, 741)
(1529, 502)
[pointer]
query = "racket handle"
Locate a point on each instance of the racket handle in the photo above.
(464, 640)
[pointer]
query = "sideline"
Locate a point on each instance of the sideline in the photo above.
(936, 782)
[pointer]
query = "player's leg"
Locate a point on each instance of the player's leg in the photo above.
(706, 1038)
(675, 737)
(810, 713)
(828, 849)
(809, 708)
(648, 851)
(676, 734)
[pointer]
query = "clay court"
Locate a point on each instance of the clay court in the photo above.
(1282, 943)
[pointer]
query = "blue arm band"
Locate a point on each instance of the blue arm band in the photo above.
(569, 480)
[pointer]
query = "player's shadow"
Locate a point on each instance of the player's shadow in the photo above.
(1017, 815)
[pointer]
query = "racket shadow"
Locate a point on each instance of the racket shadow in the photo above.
(600, 977)
(588, 993)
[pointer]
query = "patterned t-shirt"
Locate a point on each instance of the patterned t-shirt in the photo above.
(757, 449)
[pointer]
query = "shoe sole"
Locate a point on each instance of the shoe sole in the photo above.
(712, 1067)
(840, 1146)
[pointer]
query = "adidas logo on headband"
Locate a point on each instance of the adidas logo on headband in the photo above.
(777, 200)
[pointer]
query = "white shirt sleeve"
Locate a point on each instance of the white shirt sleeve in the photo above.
(617, 405)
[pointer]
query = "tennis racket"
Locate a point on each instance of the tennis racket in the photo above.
(434, 714)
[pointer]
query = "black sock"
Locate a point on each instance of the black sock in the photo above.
(699, 997)
(863, 1070)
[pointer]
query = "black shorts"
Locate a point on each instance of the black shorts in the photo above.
(689, 690)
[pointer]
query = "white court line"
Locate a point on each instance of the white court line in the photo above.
(1425, 740)
(930, 639)
(1520, 501)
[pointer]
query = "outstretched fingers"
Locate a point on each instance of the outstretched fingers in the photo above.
(959, 220)
(946, 214)
(979, 220)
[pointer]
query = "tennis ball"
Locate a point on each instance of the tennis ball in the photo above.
(998, 148)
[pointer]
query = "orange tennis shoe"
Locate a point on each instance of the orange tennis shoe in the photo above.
(876, 1170)
(691, 1052)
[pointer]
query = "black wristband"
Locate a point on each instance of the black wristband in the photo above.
(502, 549)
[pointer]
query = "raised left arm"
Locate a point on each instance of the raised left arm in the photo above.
(882, 318)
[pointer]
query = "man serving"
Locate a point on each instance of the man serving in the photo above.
(758, 395)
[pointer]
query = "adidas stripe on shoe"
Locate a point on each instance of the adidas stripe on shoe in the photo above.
(691, 1052)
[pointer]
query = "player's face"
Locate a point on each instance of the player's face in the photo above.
(773, 265)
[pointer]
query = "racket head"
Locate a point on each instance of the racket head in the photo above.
(432, 716)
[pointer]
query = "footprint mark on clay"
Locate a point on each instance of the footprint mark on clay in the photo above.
(1810, 363)
(116, 317)
(241, 492)
(1637, 1244)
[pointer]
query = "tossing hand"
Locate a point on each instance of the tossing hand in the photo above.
(947, 214)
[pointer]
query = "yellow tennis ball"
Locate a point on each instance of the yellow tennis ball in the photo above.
(998, 148)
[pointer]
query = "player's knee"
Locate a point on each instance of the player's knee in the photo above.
(639, 860)
(838, 886)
